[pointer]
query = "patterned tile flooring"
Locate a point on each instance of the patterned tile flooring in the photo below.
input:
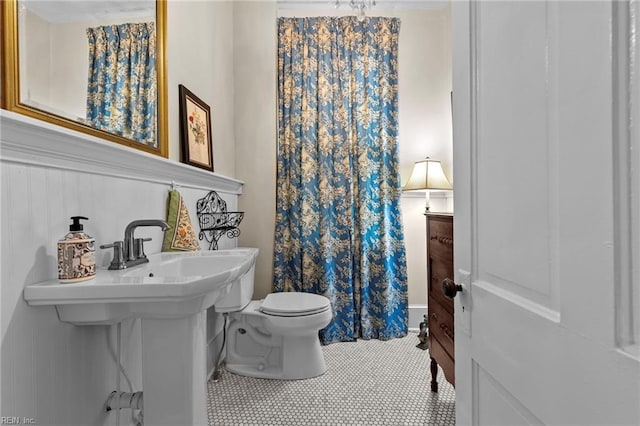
(368, 382)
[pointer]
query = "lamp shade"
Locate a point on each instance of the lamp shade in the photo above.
(427, 174)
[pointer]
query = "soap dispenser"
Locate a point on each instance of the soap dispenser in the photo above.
(76, 254)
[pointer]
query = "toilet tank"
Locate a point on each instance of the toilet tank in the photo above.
(239, 295)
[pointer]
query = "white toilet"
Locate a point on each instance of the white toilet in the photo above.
(274, 338)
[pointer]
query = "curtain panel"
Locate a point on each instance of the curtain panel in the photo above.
(121, 93)
(338, 227)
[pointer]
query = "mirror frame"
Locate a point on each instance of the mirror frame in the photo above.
(10, 99)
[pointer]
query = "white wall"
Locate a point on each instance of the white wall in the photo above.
(425, 122)
(35, 84)
(69, 68)
(200, 56)
(255, 48)
(424, 68)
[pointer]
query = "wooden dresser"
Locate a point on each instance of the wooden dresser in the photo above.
(440, 307)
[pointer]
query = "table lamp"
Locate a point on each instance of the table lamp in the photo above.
(427, 175)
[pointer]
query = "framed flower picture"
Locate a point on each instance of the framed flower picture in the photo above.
(195, 130)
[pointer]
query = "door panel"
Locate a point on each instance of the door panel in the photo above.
(496, 406)
(540, 110)
(515, 207)
(561, 376)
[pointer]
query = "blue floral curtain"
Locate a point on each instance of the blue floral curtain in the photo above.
(121, 94)
(338, 229)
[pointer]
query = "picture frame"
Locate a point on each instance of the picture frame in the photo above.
(195, 130)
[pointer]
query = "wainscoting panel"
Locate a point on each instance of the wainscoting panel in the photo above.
(53, 372)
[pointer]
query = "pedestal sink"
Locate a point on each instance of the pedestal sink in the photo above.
(170, 295)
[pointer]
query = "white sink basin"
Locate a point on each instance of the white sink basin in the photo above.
(170, 295)
(171, 284)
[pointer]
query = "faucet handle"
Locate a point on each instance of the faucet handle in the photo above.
(118, 255)
(138, 247)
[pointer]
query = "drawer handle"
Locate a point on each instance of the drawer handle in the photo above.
(450, 288)
(442, 240)
(446, 331)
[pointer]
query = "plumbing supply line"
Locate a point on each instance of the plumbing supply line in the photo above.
(216, 371)
(121, 367)
(129, 399)
(120, 400)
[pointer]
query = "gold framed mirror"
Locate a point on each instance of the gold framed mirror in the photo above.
(17, 48)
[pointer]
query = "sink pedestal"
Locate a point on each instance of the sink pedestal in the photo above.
(174, 370)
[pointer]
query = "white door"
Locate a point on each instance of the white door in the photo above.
(547, 223)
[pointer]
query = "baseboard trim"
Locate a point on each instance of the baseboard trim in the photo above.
(416, 316)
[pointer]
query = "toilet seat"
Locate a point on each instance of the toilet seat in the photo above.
(294, 304)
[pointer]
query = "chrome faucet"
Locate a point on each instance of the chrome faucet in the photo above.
(130, 251)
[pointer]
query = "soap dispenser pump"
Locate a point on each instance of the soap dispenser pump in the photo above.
(76, 254)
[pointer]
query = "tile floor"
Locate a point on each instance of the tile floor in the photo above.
(368, 382)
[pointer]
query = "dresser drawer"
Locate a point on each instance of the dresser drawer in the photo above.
(441, 326)
(440, 244)
(438, 271)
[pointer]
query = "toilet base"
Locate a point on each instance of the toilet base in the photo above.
(301, 357)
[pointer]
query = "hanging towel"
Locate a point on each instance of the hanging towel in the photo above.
(180, 236)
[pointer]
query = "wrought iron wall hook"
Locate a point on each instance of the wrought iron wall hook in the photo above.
(215, 221)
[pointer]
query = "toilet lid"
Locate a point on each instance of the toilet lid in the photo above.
(294, 304)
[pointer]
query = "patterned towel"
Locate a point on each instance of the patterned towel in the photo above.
(180, 236)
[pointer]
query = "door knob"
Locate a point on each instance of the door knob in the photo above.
(450, 288)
